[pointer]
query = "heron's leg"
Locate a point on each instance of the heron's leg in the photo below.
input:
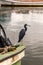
(21, 43)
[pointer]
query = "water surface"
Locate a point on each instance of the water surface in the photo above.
(14, 22)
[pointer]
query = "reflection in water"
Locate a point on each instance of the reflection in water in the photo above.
(5, 18)
(34, 35)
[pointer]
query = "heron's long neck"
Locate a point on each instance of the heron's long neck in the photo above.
(25, 28)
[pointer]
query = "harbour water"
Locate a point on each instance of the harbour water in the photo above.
(14, 22)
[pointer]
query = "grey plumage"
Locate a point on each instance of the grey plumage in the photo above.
(22, 32)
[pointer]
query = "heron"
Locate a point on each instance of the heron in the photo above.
(22, 32)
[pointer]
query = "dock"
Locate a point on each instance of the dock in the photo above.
(20, 3)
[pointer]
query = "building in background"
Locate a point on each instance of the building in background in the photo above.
(32, 0)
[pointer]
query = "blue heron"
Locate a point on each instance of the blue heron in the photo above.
(22, 32)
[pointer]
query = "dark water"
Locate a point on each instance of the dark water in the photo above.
(13, 23)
